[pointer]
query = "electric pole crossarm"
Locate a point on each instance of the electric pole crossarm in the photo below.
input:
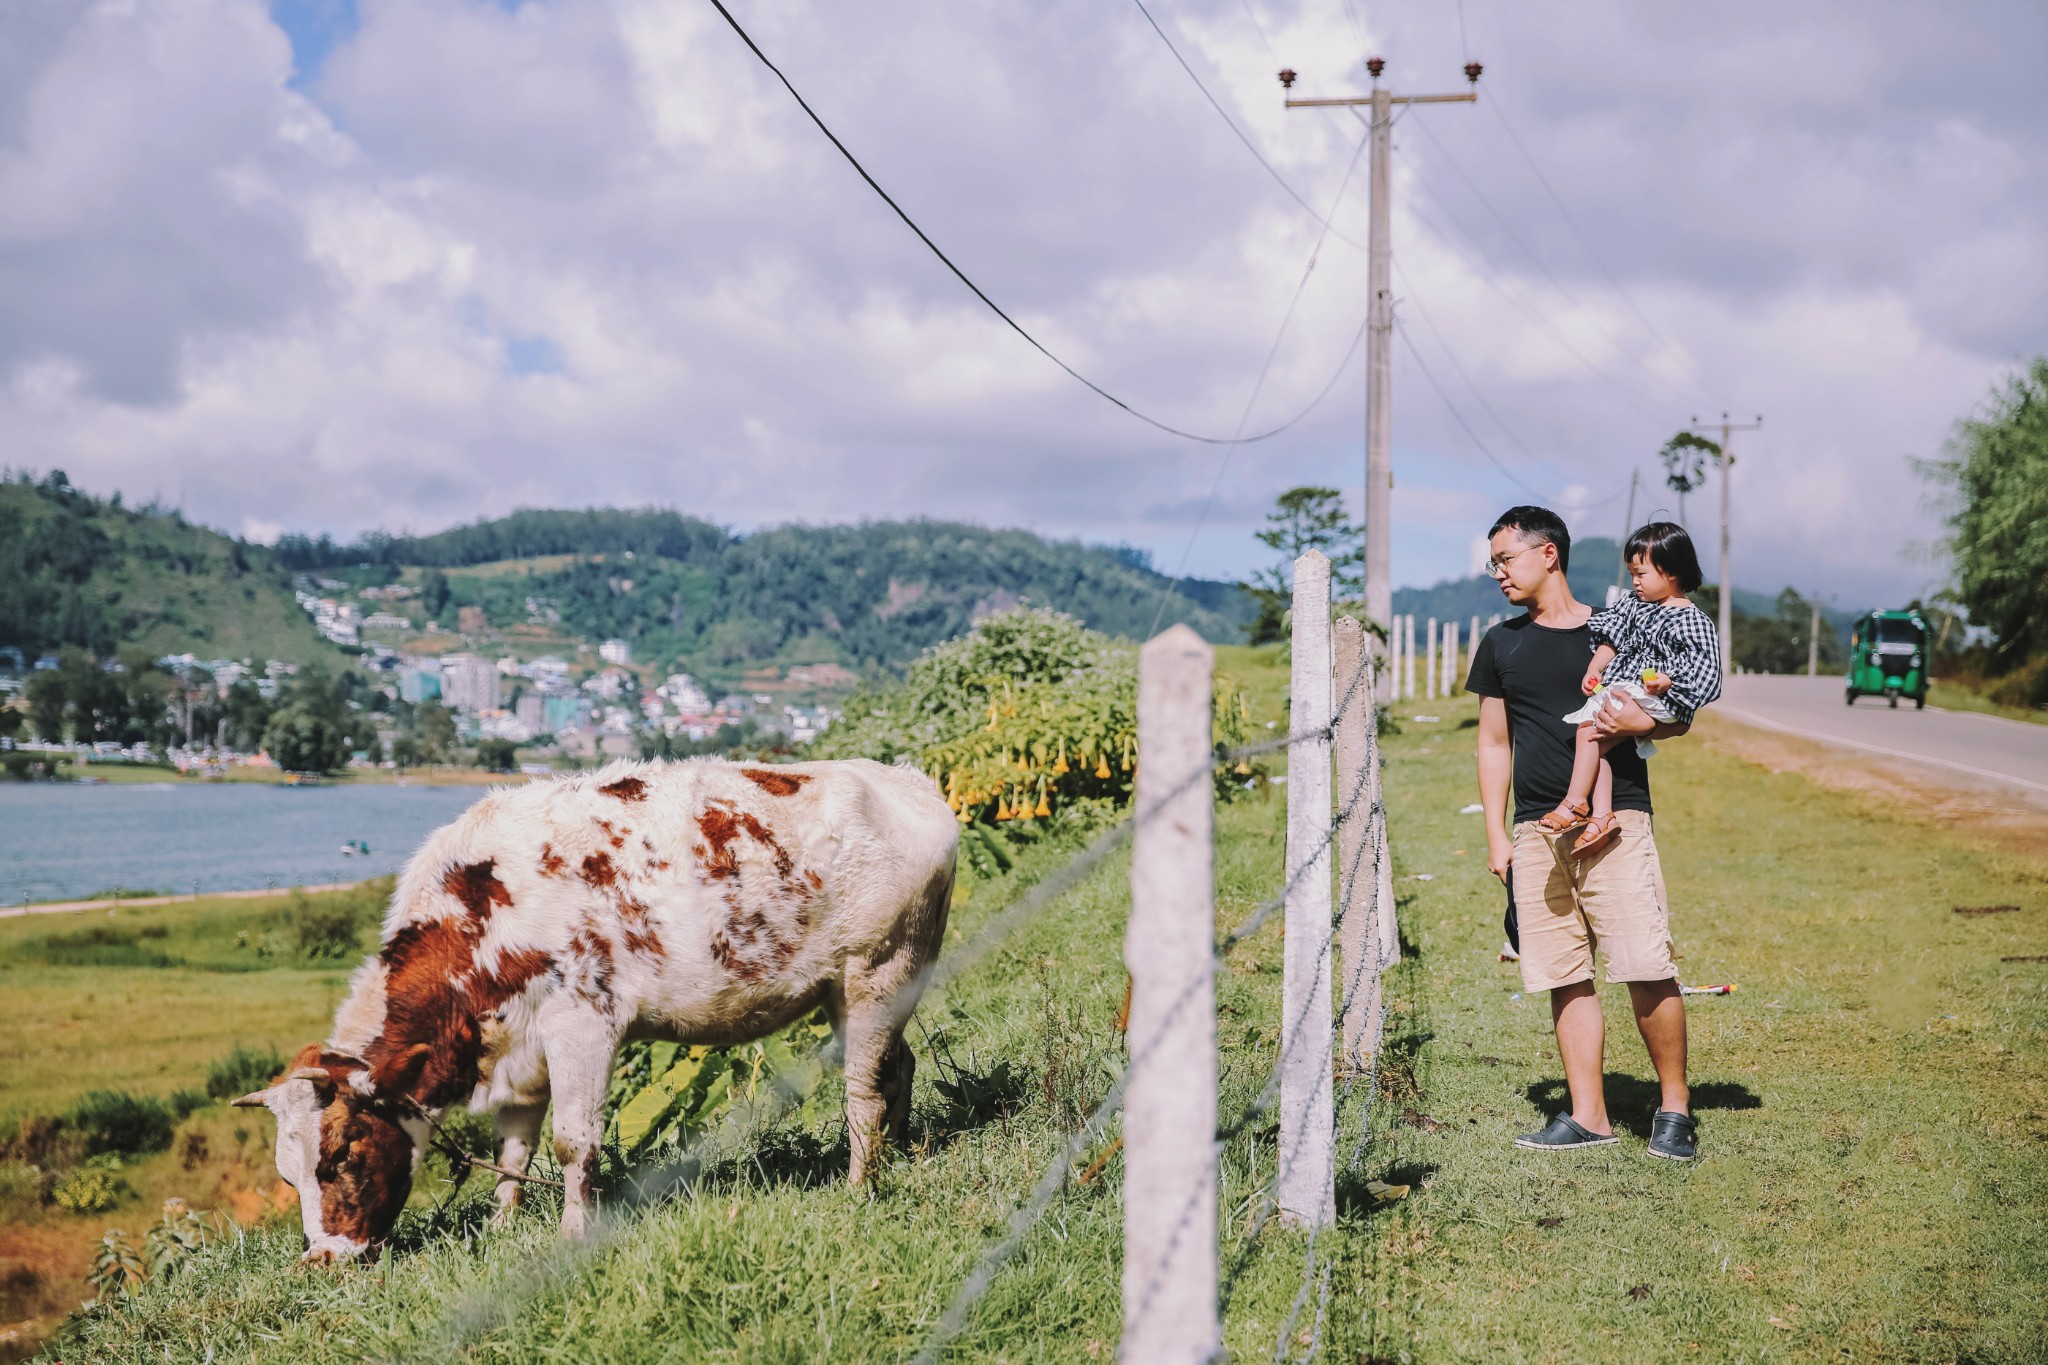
(1337, 100)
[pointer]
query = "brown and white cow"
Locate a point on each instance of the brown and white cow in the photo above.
(701, 902)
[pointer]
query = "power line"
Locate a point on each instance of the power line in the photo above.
(1500, 112)
(1483, 448)
(1475, 263)
(1534, 259)
(1408, 290)
(1172, 587)
(976, 289)
(1250, 146)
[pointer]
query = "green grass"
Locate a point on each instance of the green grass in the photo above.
(1952, 695)
(146, 998)
(1874, 1109)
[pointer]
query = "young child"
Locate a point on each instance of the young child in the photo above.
(1654, 646)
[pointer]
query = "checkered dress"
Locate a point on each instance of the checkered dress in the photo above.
(1679, 642)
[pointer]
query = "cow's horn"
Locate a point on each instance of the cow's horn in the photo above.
(255, 1099)
(315, 1074)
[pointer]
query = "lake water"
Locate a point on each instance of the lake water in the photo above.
(64, 842)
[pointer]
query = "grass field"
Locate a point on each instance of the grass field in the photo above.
(1874, 1110)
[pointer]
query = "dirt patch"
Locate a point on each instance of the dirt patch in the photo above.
(1918, 792)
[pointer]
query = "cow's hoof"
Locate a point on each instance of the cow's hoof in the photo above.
(502, 1218)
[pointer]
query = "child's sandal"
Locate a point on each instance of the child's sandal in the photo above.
(1603, 831)
(1565, 818)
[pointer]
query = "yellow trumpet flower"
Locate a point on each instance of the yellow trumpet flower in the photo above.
(1102, 767)
(1043, 808)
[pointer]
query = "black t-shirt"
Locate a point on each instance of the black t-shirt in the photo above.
(1536, 671)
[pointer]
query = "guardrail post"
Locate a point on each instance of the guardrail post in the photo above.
(1304, 1181)
(1170, 1155)
(1357, 878)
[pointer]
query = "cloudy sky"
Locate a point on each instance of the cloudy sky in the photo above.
(333, 264)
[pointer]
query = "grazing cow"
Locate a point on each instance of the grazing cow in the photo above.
(700, 902)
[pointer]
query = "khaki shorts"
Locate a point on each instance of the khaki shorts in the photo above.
(1613, 901)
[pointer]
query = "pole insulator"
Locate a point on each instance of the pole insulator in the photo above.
(1286, 78)
(1472, 70)
(1375, 65)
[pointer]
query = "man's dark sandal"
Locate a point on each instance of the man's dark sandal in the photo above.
(1675, 1137)
(1563, 1135)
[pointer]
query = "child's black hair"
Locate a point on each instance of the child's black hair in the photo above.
(1669, 550)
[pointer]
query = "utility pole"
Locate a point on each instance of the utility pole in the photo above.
(1379, 427)
(1727, 586)
(1627, 529)
(1813, 637)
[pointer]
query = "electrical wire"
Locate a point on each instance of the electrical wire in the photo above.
(1172, 588)
(1473, 260)
(1500, 112)
(1250, 146)
(1537, 261)
(1410, 296)
(976, 289)
(1483, 448)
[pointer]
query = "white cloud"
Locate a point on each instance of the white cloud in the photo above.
(589, 251)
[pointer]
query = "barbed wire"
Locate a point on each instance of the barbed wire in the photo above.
(792, 1086)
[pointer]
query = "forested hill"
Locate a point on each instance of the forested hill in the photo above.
(89, 573)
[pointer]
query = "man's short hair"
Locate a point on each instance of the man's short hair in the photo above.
(1539, 525)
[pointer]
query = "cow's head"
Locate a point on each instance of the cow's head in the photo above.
(348, 1138)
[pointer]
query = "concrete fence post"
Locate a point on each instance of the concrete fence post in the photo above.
(1432, 672)
(1394, 658)
(1450, 658)
(1304, 1179)
(1408, 658)
(1170, 1156)
(1357, 878)
(1472, 637)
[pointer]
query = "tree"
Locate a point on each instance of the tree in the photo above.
(1685, 459)
(1993, 478)
(497, 755)
(301, 739)
(1303, 519)
(433, 732)
(434, 592)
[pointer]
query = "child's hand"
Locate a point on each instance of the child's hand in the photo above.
(1655, 683)
(1590, 684)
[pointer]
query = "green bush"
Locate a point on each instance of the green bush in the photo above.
(325, 929)
(102, 945)
(90, 1189)
(23, 1189)
(117, 1121)
(243, 1070)
(1027, 714)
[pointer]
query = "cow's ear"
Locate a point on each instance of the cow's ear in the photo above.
(400, 1071)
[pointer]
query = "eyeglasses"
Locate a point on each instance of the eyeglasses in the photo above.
(1498, 565)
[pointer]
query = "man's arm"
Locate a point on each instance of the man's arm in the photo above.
(1496, 766)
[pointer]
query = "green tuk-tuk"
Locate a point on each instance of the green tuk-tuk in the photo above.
(1888, 657)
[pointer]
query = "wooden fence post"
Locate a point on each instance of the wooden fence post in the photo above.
(1170, 1155)
(1357, 878)
(1305, 1175)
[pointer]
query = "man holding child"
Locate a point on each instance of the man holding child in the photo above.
(1530, 672)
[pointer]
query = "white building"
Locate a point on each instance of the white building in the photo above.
(682, 692)
(469, 683)
(611, 684)
(616, 652)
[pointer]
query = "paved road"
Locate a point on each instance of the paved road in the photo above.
(2011, 752)
(63, 907)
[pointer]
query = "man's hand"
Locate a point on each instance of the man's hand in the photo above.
(1500, 851)
(1657, 684)
(1590, 684)
(1623, 716)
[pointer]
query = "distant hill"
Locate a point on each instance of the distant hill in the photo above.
(1596, 564)
(87, 572)
(97, 575)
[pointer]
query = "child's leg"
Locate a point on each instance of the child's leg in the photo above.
(1585, 770)
(1603, 787)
